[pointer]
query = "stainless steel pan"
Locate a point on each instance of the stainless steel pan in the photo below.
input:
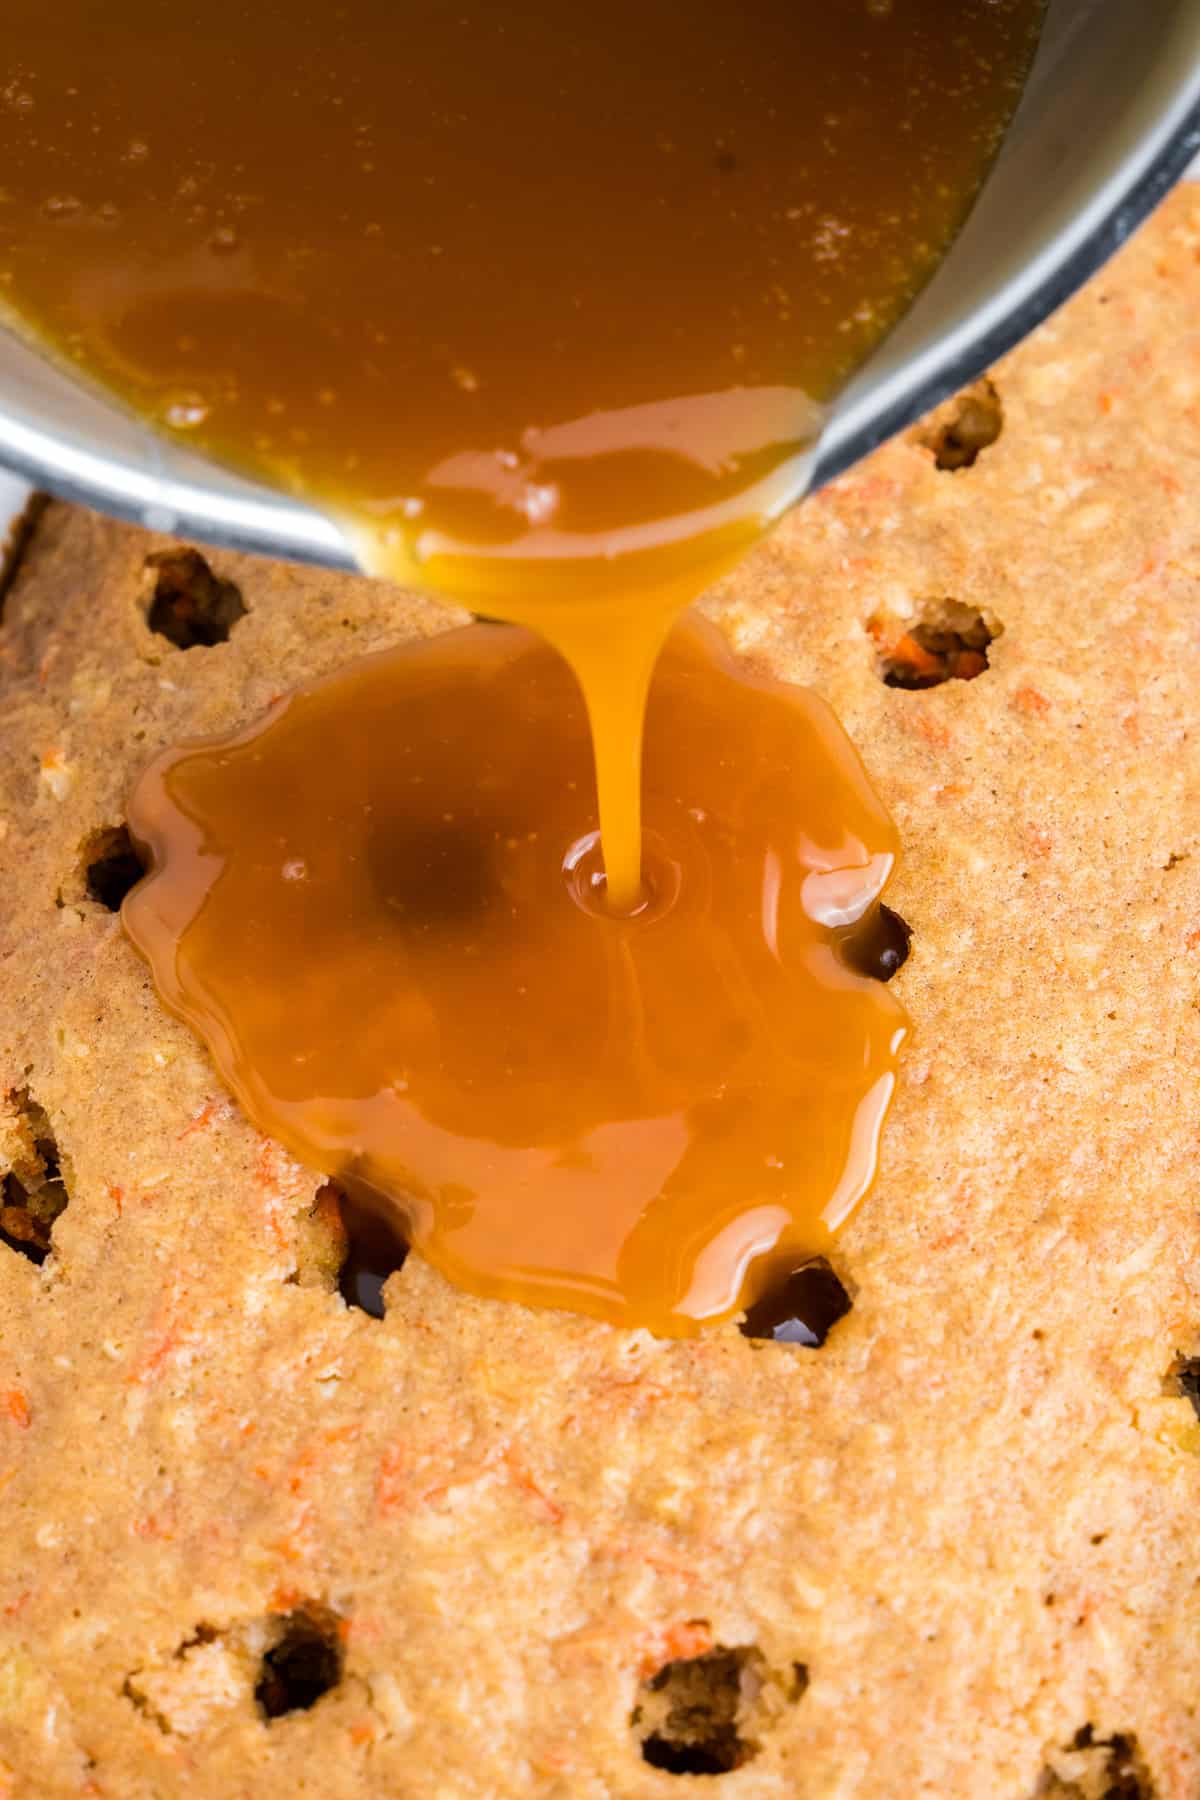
(1110, 118)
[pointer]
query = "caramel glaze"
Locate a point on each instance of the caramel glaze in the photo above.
(390, 927)
(545, 303)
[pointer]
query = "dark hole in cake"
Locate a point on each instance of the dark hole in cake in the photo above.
(350, 1243)
(15, 544)
(34, 1195)
(966, 425)
(946, 642)
(1116, 1770)
(693, 1715)
(304, 1662)
(191, 606)
(375, 1248)
(878, 945)
(111, 866)
(23, 1227)
(1183, 1377)
(800, 1307)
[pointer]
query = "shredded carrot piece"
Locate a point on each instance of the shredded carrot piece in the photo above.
(549, 1507)
(17, 1408)
(914, 656)
(152, 1526)
(317, 1451)
(933, 731)
(658, 1560)
(1031, 702)
(201, 1120)
(391, 1488)
(163, 1339)
(555, 1759)
(282, 1183)
(296, 1545)
(675, 1643)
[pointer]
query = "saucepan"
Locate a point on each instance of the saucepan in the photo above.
(1109, 118)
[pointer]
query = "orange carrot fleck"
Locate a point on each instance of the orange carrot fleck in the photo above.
(391, 1488)
(200, 1120)
(933, 731)
(295, 1545)
(281, 1181)
(163, 1342)
(363, 1732)
(549, 1508)
(316, 1452)
(666, 1565)
(675, 1643)
(914, 656)
(152, 1525)
(1034, 704)
(17, 1408)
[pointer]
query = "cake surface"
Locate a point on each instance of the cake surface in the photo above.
(257, 1543)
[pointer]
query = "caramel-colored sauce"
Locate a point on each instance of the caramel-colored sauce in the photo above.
(546, 304)
(545, 301)
(384, 918)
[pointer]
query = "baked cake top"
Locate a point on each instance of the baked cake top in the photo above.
(471, 1549)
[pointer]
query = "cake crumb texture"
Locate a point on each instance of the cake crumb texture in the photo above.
(259, 1544)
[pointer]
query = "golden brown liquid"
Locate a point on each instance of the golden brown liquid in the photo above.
(546, 304)
(382, 916)
(543, 300)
